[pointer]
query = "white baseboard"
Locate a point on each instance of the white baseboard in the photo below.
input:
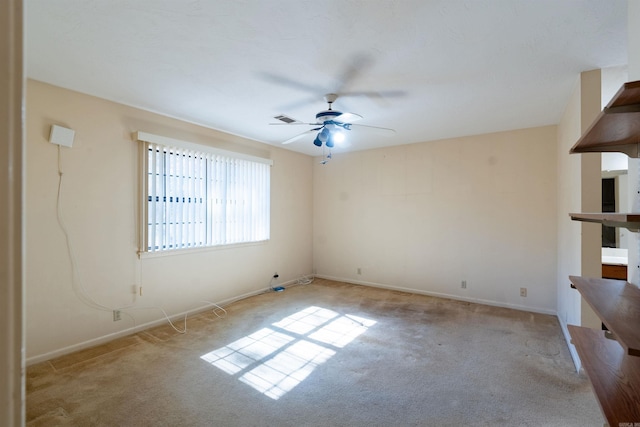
(130, 331)
(442, 295)
(572, 348)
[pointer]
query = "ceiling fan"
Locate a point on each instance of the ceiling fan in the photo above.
(330, 125)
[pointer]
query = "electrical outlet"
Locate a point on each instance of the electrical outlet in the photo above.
(117, 315)
(523, 292)
(463, 285)
(359, 270)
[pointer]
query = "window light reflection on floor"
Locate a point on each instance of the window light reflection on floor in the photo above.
(275, 360)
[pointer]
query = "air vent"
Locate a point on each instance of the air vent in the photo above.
(285, 119)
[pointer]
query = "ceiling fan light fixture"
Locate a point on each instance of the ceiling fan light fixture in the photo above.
(324, 134)
(337, 136)
(331, 125)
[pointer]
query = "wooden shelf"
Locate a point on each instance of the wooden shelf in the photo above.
(614, 376)
(612, 362)
(617, 304)
(617, 127)
(630, 221)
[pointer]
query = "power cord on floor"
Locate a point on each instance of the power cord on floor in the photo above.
(271, 284)
(218, 308)
(215, 311)
(305, 280)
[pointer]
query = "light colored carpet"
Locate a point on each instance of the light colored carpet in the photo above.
(324, 354)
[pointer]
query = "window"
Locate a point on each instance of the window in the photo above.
(196, 196)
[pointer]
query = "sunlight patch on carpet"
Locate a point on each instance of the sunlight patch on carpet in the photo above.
(274, 361)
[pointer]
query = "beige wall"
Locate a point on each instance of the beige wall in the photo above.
(579, 190)
(98, 207)
(424, 217)
(569, 200)
(591, 190)
(569, 232)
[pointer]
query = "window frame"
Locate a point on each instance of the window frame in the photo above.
(145, 142)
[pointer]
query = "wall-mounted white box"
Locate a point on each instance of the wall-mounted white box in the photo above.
(61, 136)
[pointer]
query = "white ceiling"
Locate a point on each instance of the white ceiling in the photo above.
(463, 67)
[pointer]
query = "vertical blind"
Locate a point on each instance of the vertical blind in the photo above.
(199, 198)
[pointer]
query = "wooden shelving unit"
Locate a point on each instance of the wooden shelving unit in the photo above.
(617, 127)
(630, 221)
(614, 376)
(617, 303)
(611, 359)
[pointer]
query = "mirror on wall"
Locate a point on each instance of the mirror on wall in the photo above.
(614, 197)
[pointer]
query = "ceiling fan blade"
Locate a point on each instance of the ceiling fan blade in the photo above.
(295, 123)
(356, 65)
(285, 81)
(380, 97)
(295, 105)
(348, 117)
(375, 127)
(297, 137)
(375, 94)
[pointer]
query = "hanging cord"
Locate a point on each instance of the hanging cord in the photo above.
(215, 311)
(76, 283)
